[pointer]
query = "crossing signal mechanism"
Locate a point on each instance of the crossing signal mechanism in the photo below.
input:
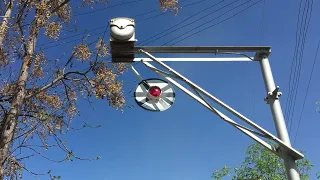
(122, 39)
(158, 95)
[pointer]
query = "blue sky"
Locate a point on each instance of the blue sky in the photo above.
(187, 141)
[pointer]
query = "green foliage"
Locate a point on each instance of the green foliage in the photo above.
(220, 173)
(262, 164)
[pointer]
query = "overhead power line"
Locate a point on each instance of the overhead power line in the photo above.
(102, 27)
(294, 78)
(203, 29)
(295, 65)
(108, 7)
(145, 42)
(307, 91)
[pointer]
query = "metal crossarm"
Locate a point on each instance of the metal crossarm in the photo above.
(251, 133)
(197, 49)
(235, 59)
(294, 153)
(222, 116)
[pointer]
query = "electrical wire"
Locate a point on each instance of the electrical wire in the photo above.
(262, 21)
(90, 30)
(68, 37)
(307, 91)
(181, 22)
(211, 25)
(101, 27)
(291, 77)
(68, 42)
(295, 72)
(294, 66)
(297, 79)
(162, 13)
(108, 7)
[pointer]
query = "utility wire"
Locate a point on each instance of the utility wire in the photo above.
(294, 66)
(288, 101)
(181, 22)
(97, 28)
(297, 79)
(262, 21)
(297, 62)
(211, 21)
(162, 13)
(101, 27)
(305, 97)
(68, 42)
(108, 7)
(68, 37)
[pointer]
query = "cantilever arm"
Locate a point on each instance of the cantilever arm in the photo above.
(247, 131)
(293, 152)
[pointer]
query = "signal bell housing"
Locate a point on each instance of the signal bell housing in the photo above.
(122, 39)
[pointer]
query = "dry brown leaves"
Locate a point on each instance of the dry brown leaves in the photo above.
(39, 61)
(7, 89)
(13, 169)
(120, 67)
(172, 5)
(82, 52)
(42, 13)
(64, 12)
(106, 86)
(3, 58)
(52, 30)
(3, 29)
(93, 2)
(53, 101)
(102, 48)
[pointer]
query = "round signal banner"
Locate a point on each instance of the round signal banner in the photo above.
(154, 95)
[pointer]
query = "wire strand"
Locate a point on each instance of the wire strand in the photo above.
(181, 22)
(298, 67)
(307, 91)
(101, 27)
(108, 7)
(213, 24)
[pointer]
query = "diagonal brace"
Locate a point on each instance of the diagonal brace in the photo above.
(294, 153)
(243, 129)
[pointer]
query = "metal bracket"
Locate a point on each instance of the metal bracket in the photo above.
(249, 132)
(273, 95)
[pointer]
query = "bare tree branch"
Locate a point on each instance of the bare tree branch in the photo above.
(5, 100)
(3, 109)
(26, 133)
(60, 142)
(25, 157)
(32, 173)
(40, 154)
(5, 21)
(62, 4)
(58, 79)
(66, 90)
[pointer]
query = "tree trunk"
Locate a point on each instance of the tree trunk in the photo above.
(11, 120)
(5, 21)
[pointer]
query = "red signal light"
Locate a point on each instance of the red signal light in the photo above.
(155, 91)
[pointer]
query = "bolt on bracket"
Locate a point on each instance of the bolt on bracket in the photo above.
(273, 95)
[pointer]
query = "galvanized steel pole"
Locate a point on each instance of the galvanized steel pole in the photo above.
(273, 100)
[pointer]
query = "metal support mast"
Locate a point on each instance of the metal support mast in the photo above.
(282, 132)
